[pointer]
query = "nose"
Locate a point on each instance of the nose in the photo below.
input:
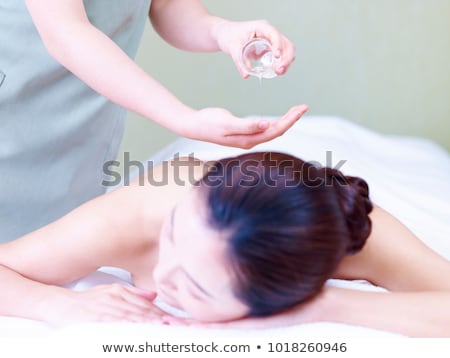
(164, 274)
(165, 281)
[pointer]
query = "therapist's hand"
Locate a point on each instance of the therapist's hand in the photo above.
(219, 126)
(232, 36)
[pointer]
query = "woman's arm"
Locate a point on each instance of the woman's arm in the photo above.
(415, 314)
(75, 245)
(116, 229)
(90, 236)
(394, 258)
(105, 231)
(22, 297)
(418, 278)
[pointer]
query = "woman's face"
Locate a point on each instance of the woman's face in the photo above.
(192, 273)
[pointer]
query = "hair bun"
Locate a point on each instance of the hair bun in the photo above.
(356, 205)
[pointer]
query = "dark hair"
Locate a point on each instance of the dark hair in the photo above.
(289, 224)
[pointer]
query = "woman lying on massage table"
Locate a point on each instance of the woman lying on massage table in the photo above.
(246, 241)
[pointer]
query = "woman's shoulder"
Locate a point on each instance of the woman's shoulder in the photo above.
(159, 189)
(178, 171)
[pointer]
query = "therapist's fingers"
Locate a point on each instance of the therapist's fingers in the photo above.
(237, 59)
(265, 30)
(288, 56)
(264, 127)
(283, 48)
(219, 126)
(281, 125)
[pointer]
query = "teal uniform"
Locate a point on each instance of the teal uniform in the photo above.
(55, 132)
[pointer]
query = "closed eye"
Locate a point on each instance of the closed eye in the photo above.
(171, 238)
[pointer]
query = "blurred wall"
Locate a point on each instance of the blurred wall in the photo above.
(384, 64)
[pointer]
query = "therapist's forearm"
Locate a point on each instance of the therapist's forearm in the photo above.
(185, 24)
(101, 64)
(415, 314)
(109, 71)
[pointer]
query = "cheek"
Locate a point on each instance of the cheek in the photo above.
(163, 269)
(198, 310)
(157, 273)
(164, 251)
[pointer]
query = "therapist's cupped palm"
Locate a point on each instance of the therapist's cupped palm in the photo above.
(219, 126)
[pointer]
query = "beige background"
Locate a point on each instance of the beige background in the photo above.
(382, 63)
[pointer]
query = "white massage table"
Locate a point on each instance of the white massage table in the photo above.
(408, 177)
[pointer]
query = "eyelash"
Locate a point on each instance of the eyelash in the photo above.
(171, 227)
(195, 297)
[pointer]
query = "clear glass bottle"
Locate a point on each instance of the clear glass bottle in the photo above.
(258, 58)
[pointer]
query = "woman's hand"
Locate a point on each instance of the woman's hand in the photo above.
(232, 36)
(106, 303)
(219, 126)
